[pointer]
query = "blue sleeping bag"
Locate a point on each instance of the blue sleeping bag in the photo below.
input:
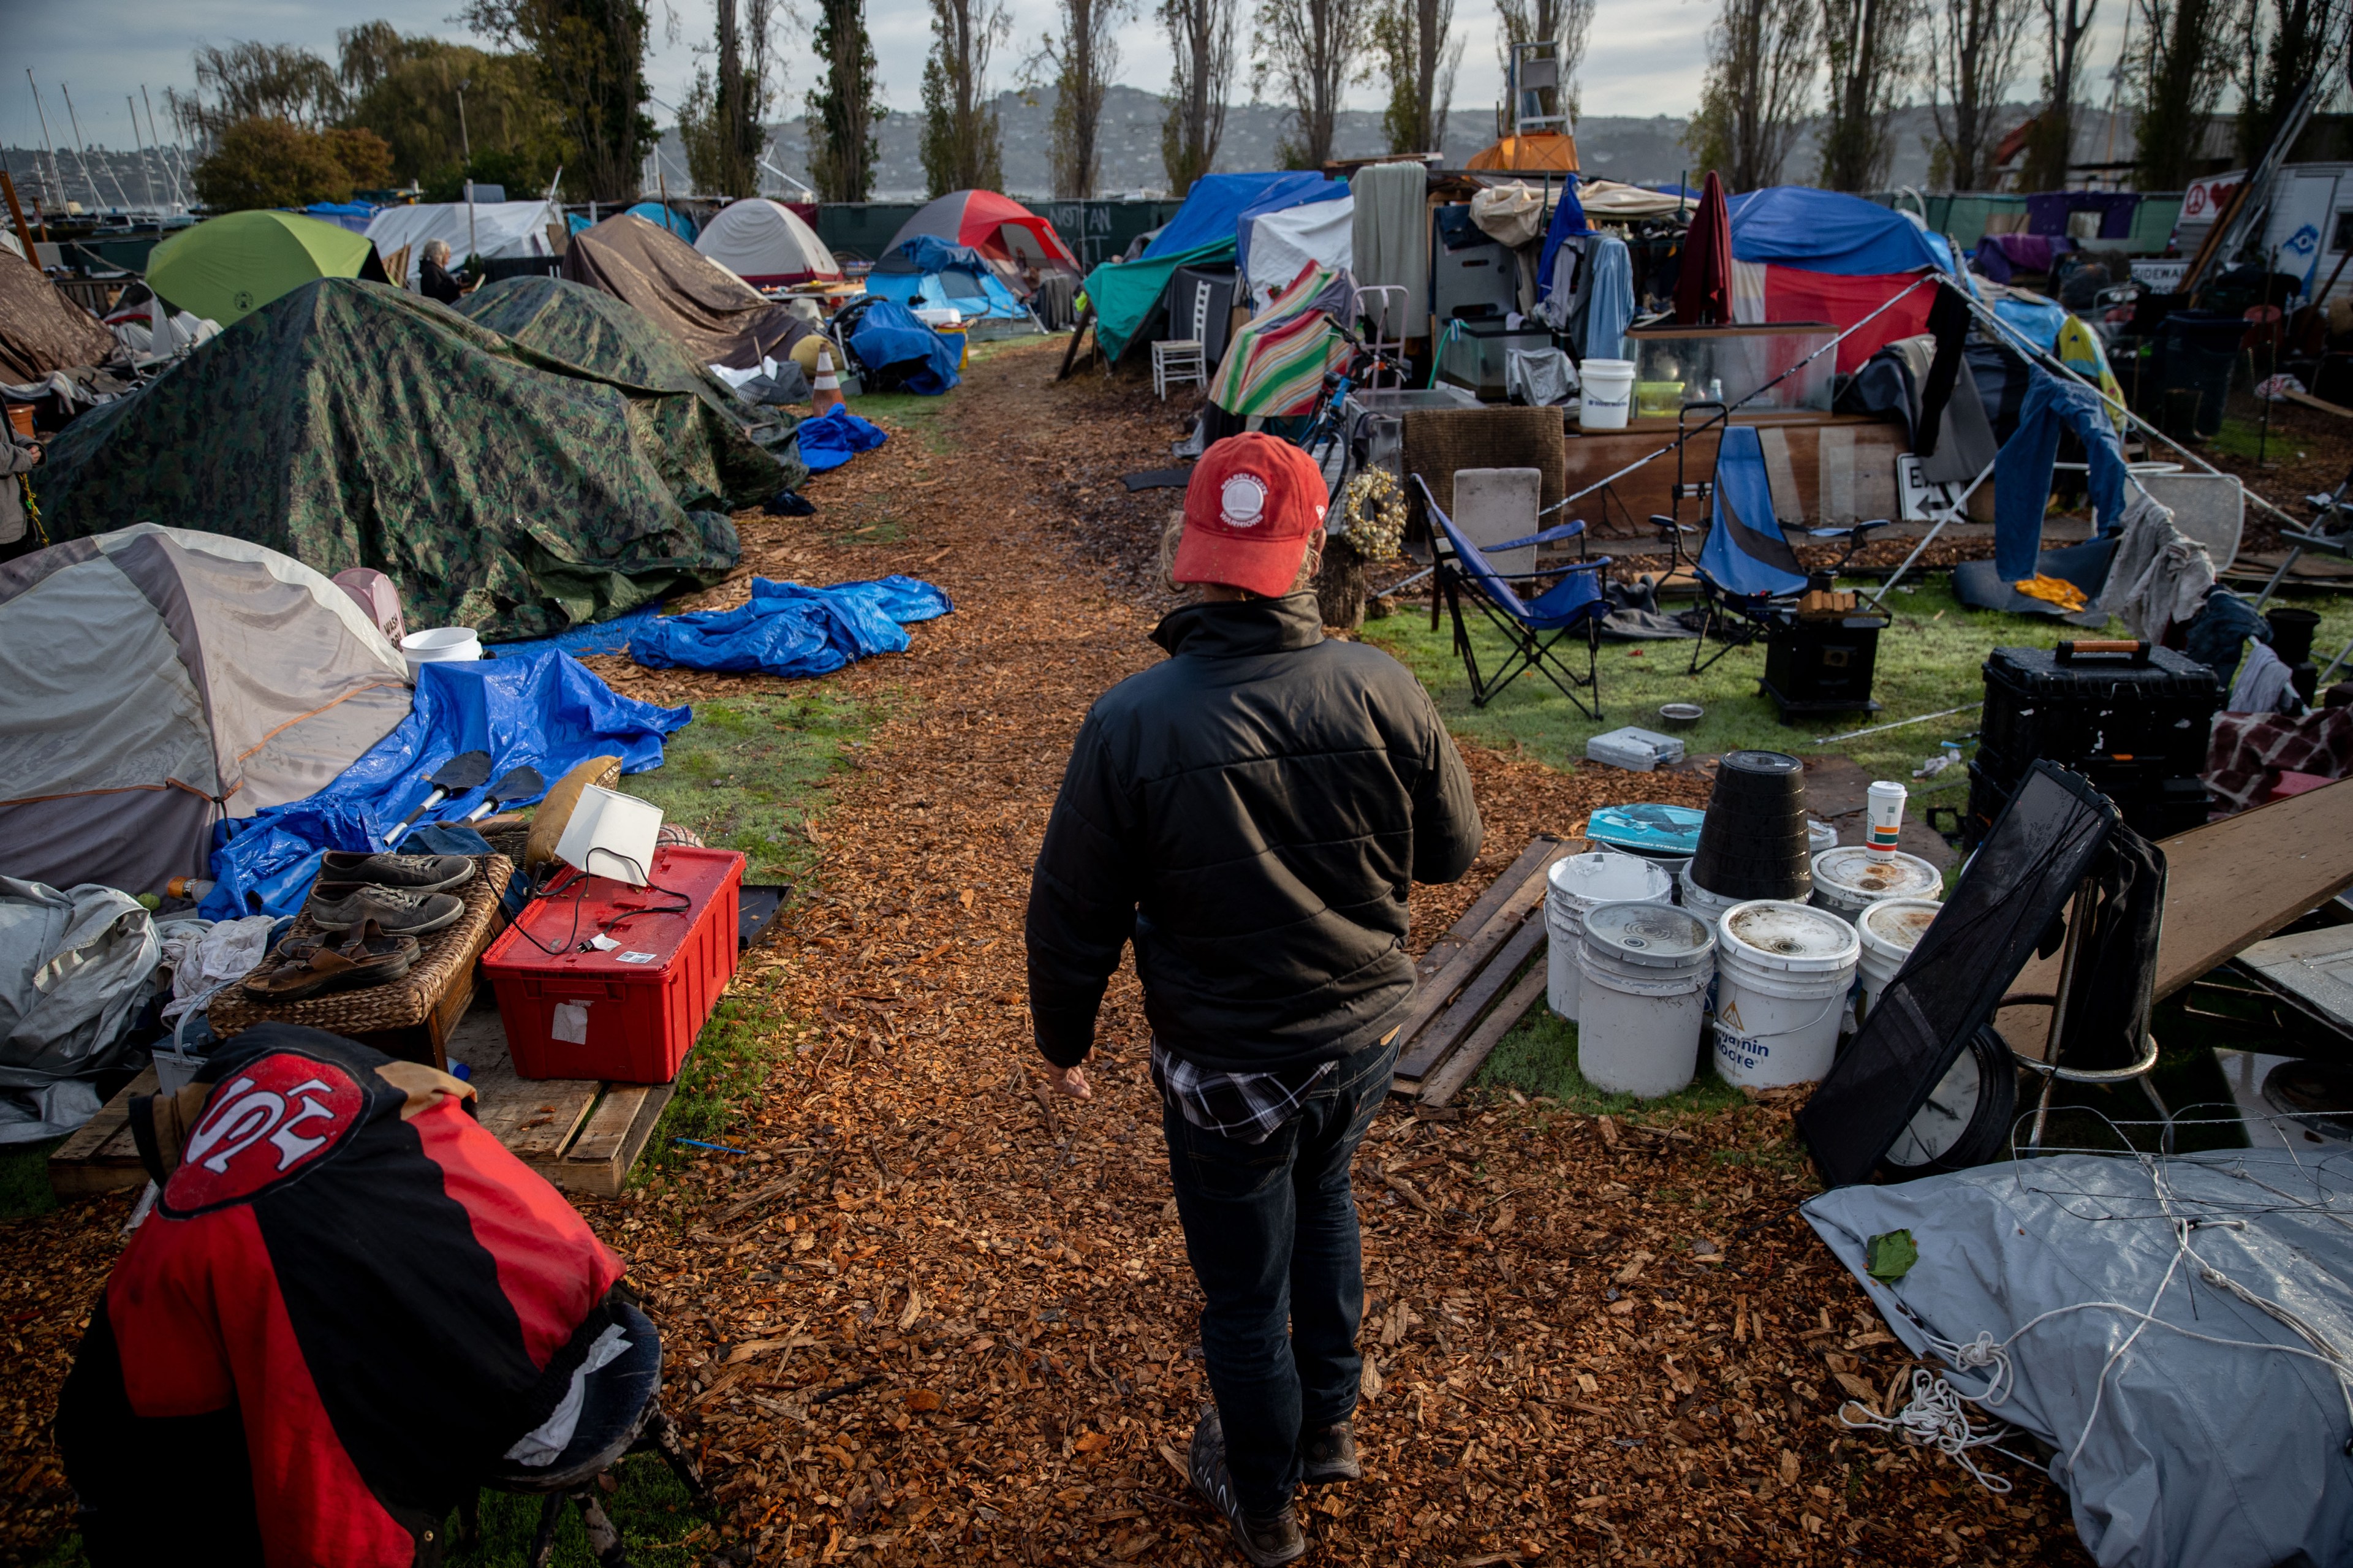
(790, 629)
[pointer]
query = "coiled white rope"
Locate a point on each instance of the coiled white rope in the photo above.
(1935, 1419)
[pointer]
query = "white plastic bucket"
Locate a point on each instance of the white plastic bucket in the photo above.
(439, 645)
(1643, 970)
(1609, 393)
(1889, 930)
(1709, 907)
(1579, 882)
(1850, 879)
(1783, 971)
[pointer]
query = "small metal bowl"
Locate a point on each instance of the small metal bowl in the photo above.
(1680, 715)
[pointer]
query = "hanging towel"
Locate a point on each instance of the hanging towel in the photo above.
(2263, 680)
(2160, 576)
(1391, 243)
(1609, 300)
(1561, 280)
(2023, 471)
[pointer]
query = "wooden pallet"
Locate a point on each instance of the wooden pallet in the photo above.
(1469, 989)
(582, 1134)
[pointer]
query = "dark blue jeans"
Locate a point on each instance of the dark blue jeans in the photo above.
(1272, 1231)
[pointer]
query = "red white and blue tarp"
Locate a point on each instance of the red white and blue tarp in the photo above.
(1804, 255)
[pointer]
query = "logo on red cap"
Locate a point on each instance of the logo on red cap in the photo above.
(1241, 503)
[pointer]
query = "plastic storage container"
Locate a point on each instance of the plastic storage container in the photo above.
(2133, 721)
(631, 1012)
(1727, 364)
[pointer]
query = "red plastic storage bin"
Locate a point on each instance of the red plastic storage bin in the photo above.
(630, 1012)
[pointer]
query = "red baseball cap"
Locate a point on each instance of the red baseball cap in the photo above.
(1249, 510)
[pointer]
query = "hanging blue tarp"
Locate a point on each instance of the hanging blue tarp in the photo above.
(1217, 205)
(835, 437)
(790, 629)
(1823, 231)
(654, 213)
(549, 711)
(888, 337)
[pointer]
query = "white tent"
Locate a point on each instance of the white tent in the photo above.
(1280, 243)
(763, 241)
(491, 230)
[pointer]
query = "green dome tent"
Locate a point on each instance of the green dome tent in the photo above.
(351, 423)
(229, 266)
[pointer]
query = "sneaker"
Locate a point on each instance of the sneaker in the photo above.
(1265, 1541)
(339, 906)
(418, 873)
(1329, 1454)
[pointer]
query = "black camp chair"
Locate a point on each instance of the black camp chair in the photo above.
(1536, 628)
(620, 1414)
(1748, 576)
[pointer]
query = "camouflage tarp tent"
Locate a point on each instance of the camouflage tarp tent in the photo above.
(350, 424)
(609, 337)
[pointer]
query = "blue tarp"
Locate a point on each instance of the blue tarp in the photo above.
(790, 629)
(1823, 231)
(549, 712)
(653, 212)
(1280, 199)
(1216, 207)
(888, 337)
(352, 216)
(835, 437)
(2037, 323)
(1567, 218)
(947, 275)
(597, 636)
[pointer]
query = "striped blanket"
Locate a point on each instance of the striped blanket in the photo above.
(1275, 363)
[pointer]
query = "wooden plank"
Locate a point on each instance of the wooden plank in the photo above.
(2228, 885)
(100, 1156)
(1444, 1084)
(1541, 852)
(2306, 400)
(1458, 970)
(606, 1178)
(1457, 1020)
(607, 1126)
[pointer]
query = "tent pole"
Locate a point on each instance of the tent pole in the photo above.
(1945, 515)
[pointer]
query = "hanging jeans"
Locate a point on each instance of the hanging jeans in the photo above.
(2021, 474)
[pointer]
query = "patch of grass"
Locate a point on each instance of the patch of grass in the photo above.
(24, 1188)
(1539, 1058)
(648, 1507)
(2245, 438)
(750, 774)
(1931, 657)
(886, 531)
(722, 1072)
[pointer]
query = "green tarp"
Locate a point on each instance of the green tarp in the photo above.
(610, 338)
(351, 423)
(1126, 293)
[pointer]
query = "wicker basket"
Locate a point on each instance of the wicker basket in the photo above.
(446, 959)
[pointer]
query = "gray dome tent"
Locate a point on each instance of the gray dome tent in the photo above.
(160, 680)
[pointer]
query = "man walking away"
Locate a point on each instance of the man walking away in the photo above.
(1251, 814)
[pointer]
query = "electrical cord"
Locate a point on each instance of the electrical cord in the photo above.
(579, 884)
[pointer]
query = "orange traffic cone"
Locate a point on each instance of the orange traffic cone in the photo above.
(826, 393)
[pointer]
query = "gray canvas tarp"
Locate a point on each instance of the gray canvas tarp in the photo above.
(2227, 1451)
(75, 968)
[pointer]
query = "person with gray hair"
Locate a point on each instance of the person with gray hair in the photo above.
(434, 279)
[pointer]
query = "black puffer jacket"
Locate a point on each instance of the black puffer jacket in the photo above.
(1250, 812)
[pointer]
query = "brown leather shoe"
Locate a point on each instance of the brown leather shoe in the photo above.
(1328, 1454)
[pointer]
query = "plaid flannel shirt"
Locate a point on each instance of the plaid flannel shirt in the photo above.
(1247, 1107)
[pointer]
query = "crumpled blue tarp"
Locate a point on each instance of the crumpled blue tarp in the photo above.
(790, 629)
(835, 437)
(888, 337)
(549, 711)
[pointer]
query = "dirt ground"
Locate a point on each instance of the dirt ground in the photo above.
(934, 1317)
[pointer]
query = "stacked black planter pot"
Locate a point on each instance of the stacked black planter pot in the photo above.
(1753, 841)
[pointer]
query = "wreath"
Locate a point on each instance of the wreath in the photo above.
(1373, 507)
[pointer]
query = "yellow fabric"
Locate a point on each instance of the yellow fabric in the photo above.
(2052, 591)
(1539, 150)
(2079, 350)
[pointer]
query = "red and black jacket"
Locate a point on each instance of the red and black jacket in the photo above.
(349, 1302)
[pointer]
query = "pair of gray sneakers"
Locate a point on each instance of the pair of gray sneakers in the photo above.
(405, 895)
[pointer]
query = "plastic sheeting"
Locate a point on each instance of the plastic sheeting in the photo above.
(2223, 1455)
(835, 437)
(548, 713)
(75, 968)
(491, 230)
(1320, 233)
(891, 343)
(1218, 208)
(790, 629)
(1823, 231)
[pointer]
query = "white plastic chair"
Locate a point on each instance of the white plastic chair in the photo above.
(1176, 361)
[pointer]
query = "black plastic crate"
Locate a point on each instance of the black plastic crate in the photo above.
(2153, 806)
(2151, 705)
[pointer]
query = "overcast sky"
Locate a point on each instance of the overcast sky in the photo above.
(1645, 56)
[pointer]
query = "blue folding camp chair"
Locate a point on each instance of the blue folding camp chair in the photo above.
(1748, 574)
(1574, 607)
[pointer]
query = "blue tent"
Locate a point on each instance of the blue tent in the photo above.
(653, 212)
(1823, 231)
(928, 270)
(1219, 207)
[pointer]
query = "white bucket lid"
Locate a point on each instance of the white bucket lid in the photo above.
(1654, 935)
(1606, 367)
(1896, 925)
(1603, 876)
(1860, 874)
(1794, 937)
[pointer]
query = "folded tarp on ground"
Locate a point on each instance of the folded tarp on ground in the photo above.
(2190, 1450)
(549, 712)
(790, 629)
(835, 437)
(352, 424)
(896, 350)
